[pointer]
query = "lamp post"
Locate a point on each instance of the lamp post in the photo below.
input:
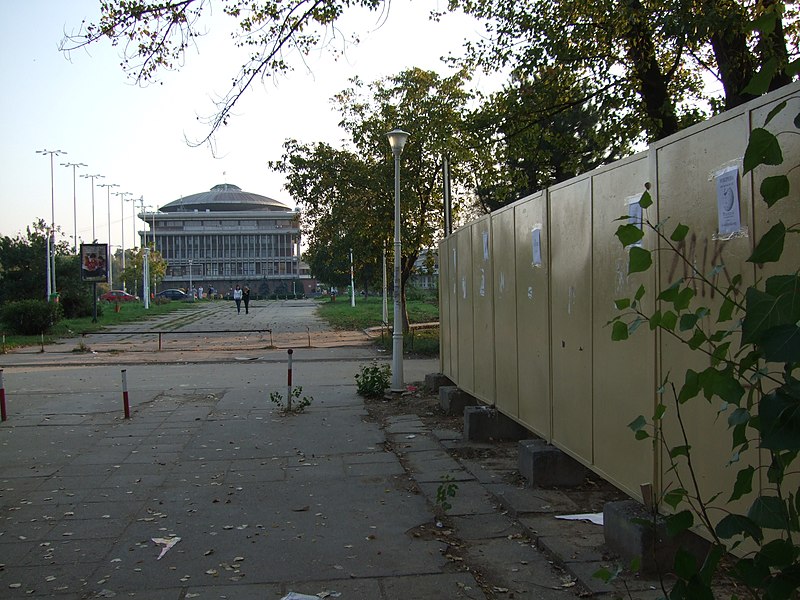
(397, 140)
(191, 287)
(108, 187)
(352, 282)
(93, 177)
(74, 201)
(51, 239)
(122, 231)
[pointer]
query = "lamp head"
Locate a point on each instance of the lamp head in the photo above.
(397, 140)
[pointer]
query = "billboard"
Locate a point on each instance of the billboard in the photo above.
(94, 262)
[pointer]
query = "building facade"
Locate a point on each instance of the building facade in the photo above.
(225, 236)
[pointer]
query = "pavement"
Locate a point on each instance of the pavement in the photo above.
(210, 490)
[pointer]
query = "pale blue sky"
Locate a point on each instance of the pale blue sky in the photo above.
(135, 136)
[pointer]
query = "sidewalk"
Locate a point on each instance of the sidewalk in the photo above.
(325, 502)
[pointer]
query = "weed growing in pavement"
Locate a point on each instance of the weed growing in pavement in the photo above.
(81, 347)
(295, 404)
(446, 490)
(373, 380)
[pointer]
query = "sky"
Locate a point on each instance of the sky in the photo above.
(135, 137)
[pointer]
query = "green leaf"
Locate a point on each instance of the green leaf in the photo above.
(646, 201)
(744, 484)
(697, 339)
(674, 497)
(659, 413)
(722, 384)
(638, 423)
(777, 553)
(677, 451)
(733, 525)
(679, 522)
(687, 322)
(629, 234)
(769, 512)
(684, 299)
(639, 293)
(691, 386)
(680, 233)
(777, 109)
(778, 304)
(774, 188)
(641, 435)
(782, 344)
(770, 246)
(762, 149)
(619, 331)
(779, 418)
(685, 564)
(668, 320)
(797, 116)
(726, 310)
(622, 303)
(761, 81)
(640, 260)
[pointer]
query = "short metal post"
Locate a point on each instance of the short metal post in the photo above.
(289, 384)
(3, 415)
(42, 350)
(159, 341)
(125, 403)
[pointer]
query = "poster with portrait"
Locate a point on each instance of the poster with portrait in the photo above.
(94, 262)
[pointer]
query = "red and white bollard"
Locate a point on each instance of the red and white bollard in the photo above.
(3, 415)
(125, 403)
(289, 384)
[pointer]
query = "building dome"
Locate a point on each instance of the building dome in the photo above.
(224, 197)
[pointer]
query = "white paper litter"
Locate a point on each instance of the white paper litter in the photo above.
(596, 518)
(168, 543)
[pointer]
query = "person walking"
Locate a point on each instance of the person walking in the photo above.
(237, 297)
(246, 298)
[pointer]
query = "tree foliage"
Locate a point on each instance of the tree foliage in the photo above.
(134, 268)
(347, 195)
(648, 54)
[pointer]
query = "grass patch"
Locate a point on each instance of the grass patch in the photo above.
(368, 313)
(128, 312)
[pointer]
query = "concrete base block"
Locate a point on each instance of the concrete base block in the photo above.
(630, 531)
(484, 424)
(433, 381)
(453, 400)
(544, 465)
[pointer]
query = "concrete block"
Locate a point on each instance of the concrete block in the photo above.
(453, 400)
(484, 424)
(433, 381)
(631, 532)
(544, 465)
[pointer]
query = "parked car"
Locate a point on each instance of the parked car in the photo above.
(118, 296)
(173, 294)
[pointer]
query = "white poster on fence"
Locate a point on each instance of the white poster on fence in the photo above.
(728, 213)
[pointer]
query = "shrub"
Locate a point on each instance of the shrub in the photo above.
(31, 317)
(77, 305)
(373, 380)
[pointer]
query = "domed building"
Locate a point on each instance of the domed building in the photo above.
(225, 236)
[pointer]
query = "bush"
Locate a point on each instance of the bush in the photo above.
(78, 305)
(373, 380)
(31, 317)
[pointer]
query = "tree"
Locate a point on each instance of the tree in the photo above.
(649, 53)
(23, 260)
(154, 36)
(347, 195)
(542, 136)
(134, 268)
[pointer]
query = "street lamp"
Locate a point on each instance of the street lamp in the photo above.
(93, 177)
(108, 187)
(352, 282)
(122, 230)
(74, 201)
(51, 240)
(191, 286)
(397, 140)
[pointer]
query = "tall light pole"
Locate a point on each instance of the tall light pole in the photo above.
(74, 202)
(93, 177)
(122, 230)
(352, 282)
(397, 140)
(108, 187)
(51, 239)
(133, 202)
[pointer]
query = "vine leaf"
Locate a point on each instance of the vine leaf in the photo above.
(779, 412)
(774, 188)
(777, 305)
(640, 260)
(770, 246)
(763, 149)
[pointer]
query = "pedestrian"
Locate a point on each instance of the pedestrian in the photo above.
(246, 298)
(237, 297)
